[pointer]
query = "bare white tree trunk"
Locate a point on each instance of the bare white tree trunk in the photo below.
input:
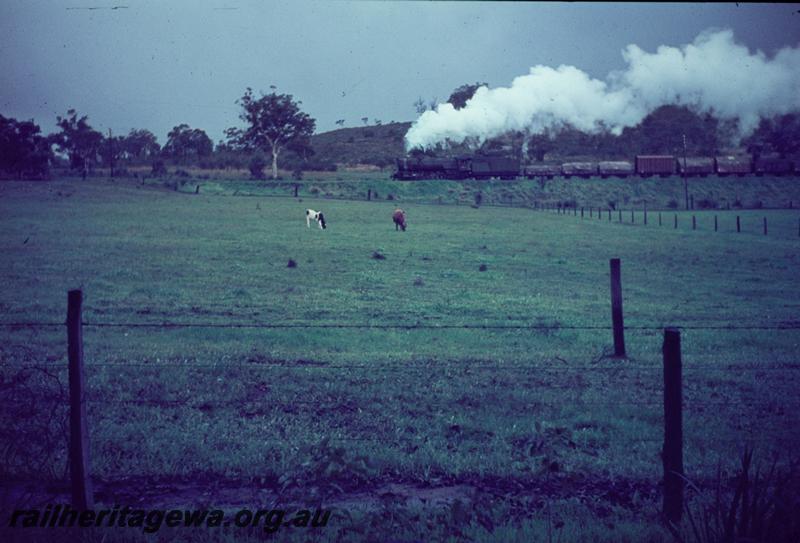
(274, 163)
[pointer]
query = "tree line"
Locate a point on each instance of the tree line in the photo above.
(275, 128)
(274, 125)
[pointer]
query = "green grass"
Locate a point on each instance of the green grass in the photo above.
(490, 407)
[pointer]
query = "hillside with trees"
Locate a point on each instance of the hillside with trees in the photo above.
(79, 148)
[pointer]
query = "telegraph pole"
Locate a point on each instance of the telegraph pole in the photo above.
(685, 184)
(111, 152)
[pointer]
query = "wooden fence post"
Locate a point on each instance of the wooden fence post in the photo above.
(609, 214)
(581, 212)
(738, 224)
(295, 190)
(645, 213)
(82, 498)
(676, 221)
(659, 218)
(672, 453)
(716, 225)
(765, 226)
(369, 195)
(694, 222)
(616, 308)
(632, 220)
(620, 215)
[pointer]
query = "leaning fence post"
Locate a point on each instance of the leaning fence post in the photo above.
(672, 453)
(616, 308)
(82, 498)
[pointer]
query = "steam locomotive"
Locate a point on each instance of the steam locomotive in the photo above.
(497, 167)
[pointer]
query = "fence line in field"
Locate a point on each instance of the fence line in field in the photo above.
(559, 209)
(49, 324)
(82, 497)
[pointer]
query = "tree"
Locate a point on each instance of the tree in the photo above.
(420, 106)
(141, 145)
(183, 142)
(275, 123)
(23, 150)
(111, 150)
(458, 98)
(662, 131)
(340, 122)
(365, 120)
(79, 140)
(777, 135)
(539, 145)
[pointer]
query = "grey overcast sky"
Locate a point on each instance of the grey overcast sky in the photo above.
(156, 64)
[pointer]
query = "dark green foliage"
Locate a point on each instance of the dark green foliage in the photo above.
(184, 143)
(274, 122)
(257, 165)
(755, 506)
(79, 140)
(141, 145)
(23, 151)
(459, 97)
(158, 168)
(779, 135)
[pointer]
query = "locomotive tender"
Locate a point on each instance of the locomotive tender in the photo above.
(497, 167)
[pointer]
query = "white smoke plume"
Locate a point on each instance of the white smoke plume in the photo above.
(713, 74)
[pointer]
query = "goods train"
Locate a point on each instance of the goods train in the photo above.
(495, 167)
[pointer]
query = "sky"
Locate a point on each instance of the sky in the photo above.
(157, 64)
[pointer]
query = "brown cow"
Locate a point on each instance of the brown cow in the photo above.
(399, 218)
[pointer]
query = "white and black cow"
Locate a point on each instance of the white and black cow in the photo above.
(317, 216)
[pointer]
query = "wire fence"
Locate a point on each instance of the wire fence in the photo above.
(359, 410)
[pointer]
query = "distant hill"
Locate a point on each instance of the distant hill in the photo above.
(378, 145)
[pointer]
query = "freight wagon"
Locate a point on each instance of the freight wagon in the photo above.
(733, 165)
(649, 165)
(579, 169)
(701, 166)
(618, 168)
(772, 166)
(548, 171)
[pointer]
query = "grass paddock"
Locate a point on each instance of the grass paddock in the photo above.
(474, 354)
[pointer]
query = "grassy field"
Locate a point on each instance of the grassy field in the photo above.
(750, 192)
(471, 358)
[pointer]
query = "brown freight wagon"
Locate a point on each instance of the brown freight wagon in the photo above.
(696, 165)
(647, 165)
(733, 165)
